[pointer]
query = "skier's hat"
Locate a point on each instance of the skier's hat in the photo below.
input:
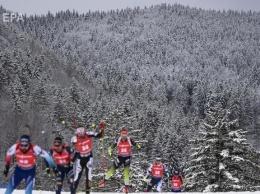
(124, 132)
(25, 138)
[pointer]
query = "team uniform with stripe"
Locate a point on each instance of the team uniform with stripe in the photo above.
(123, 157)
(156, 170)
(84, 157)
(25, 167)
(176, 183)
(63, 160)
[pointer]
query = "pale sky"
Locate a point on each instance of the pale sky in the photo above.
(82, 6)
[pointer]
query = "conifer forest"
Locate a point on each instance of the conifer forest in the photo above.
(184, 81)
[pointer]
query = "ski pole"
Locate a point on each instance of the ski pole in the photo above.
(73, 122)
(102, 127)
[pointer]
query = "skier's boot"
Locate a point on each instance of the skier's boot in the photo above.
(126, 189)
(102, 183)
(88, 187)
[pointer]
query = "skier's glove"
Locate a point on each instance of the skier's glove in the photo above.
(145, 178)
(185, 180)
(48, 170)
(6, 170)
(70, 164)
(110, 154)
(166, 180)
(138, 146)
(55, 170)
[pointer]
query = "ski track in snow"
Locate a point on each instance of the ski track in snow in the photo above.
(52, 192)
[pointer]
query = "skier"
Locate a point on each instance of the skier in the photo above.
(176, 181)
(63, 156)
(123, 144)
(25, 154)
(156, 170)
(83, 151)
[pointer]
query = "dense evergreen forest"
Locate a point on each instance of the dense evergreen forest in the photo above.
(184, 81)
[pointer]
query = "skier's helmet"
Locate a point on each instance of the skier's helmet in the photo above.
(80, 131)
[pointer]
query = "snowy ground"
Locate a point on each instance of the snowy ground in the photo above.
(52, 192)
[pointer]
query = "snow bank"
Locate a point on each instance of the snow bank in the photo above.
(52, 192)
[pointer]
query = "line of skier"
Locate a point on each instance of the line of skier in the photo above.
(156, 170)
(70, 162)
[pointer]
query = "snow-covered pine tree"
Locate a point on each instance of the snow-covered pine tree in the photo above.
(222, 160)
(40, 96)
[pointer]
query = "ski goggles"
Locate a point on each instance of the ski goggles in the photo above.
(158, 159)
(24, 145)
(25, 140)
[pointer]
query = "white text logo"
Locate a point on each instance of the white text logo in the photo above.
(10, 17)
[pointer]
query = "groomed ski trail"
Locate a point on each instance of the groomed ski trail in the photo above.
(53, 192)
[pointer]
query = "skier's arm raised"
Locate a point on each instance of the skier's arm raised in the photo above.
(94, 134)
(99, 134)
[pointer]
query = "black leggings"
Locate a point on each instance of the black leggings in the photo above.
(80, 165)
(60, 178)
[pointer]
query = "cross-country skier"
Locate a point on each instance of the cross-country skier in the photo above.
(25, 153)
(176, 181)
(123, 144)
(156, 170)
(63, 156)
(83, 148)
